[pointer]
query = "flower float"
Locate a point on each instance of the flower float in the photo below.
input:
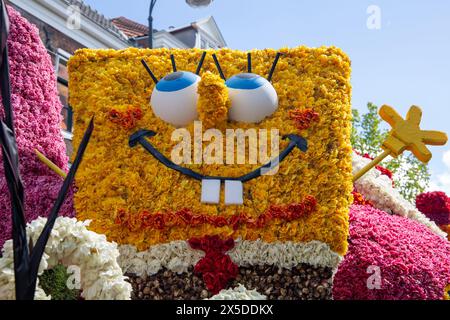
(290, 233)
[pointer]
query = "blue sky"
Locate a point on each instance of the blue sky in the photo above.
(405, 62)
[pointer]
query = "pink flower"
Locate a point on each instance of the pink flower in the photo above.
(37, 112)
(413, 262)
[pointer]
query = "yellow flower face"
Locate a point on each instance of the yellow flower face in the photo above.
(135, 199)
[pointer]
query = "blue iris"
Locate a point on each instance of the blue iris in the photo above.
(176, 81)
(246, 81)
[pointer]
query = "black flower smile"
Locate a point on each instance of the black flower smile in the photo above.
(296, 141)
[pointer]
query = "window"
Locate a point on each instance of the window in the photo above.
(60, 64)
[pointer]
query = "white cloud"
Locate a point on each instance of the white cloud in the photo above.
(441, 181)
(446, 159)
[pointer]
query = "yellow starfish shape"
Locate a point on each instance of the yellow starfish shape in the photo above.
(407, 135)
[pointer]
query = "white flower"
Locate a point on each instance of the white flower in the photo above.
(72, 244)
(176, 256)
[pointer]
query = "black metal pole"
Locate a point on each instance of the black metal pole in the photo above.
(150, 24)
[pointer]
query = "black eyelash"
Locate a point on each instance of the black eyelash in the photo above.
(216, 61)
(200, 64)
(274, 65)
(174, 65)
(155, 80)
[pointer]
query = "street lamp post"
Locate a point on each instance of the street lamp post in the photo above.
(150, 24)
(192, 3)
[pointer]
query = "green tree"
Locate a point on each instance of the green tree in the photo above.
(410, 175)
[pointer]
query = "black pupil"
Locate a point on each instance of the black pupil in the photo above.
(173, 76)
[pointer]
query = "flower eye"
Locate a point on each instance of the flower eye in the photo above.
(253, 98)
(174, 98)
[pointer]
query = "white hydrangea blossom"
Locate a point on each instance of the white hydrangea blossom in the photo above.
(71, 244)
(377, 189)
(238, 293)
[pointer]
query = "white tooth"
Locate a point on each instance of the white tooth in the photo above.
(234, 192)
(210, 191)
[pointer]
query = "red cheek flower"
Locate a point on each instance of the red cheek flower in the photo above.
(127, 118)
(304, 118)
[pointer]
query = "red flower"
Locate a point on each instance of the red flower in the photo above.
(197, 220)
(435, 205)
(234, 222)
(262, 220)
(121, 216)
(127, 119)
(158, 221)
(219, 221)
(304, 118)
(146, 219)
(216, 268)
(185, 217)
(358, 199)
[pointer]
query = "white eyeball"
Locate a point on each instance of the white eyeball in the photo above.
(253, 98)
(174, 98)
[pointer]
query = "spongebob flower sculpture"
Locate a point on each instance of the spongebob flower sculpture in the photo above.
(286, 206)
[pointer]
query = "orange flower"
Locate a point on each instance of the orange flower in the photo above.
(304, 118)
(128, 118)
